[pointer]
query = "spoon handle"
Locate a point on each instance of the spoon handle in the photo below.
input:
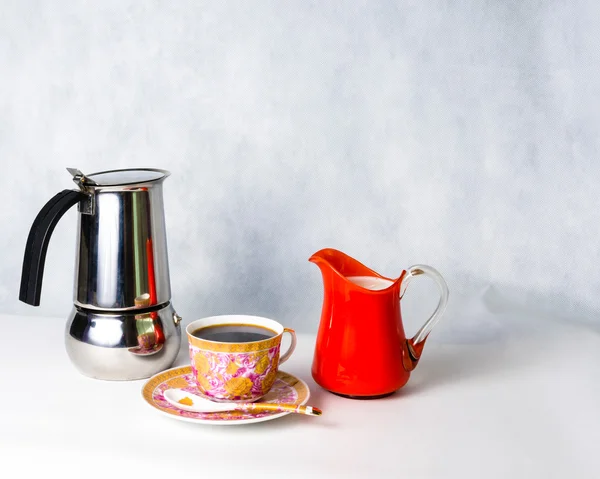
(261, 407)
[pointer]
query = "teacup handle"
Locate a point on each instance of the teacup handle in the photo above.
(288, 353)
(415, 345)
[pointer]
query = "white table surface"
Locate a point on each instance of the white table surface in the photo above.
(519, 405)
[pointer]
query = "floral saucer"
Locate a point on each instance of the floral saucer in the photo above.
(287, 389)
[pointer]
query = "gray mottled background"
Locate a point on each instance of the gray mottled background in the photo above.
(458, 134)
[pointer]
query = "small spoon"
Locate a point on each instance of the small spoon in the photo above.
(199, 404)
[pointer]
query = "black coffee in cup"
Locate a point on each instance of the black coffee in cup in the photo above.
(233, 333)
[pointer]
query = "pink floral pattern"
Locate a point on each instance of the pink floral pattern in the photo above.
(239, 376)
(286, 390)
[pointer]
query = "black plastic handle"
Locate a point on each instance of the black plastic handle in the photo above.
(37, 243)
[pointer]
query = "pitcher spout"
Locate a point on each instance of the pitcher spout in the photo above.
(320, 257)
(332, 260)
(328, 258)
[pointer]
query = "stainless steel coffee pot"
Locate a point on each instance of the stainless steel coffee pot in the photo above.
(122, 325)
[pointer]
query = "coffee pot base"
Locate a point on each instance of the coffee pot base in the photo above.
(123, 346)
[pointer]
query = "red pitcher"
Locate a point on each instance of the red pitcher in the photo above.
(361, 349)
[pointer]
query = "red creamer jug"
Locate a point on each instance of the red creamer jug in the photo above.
(361, 349)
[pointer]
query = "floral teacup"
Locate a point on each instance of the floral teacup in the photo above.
(240, 371)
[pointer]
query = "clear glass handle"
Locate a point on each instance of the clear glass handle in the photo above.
(417, 270)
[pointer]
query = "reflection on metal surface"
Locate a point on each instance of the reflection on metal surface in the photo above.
(122, 249)
(122, 346)
(150, 336)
